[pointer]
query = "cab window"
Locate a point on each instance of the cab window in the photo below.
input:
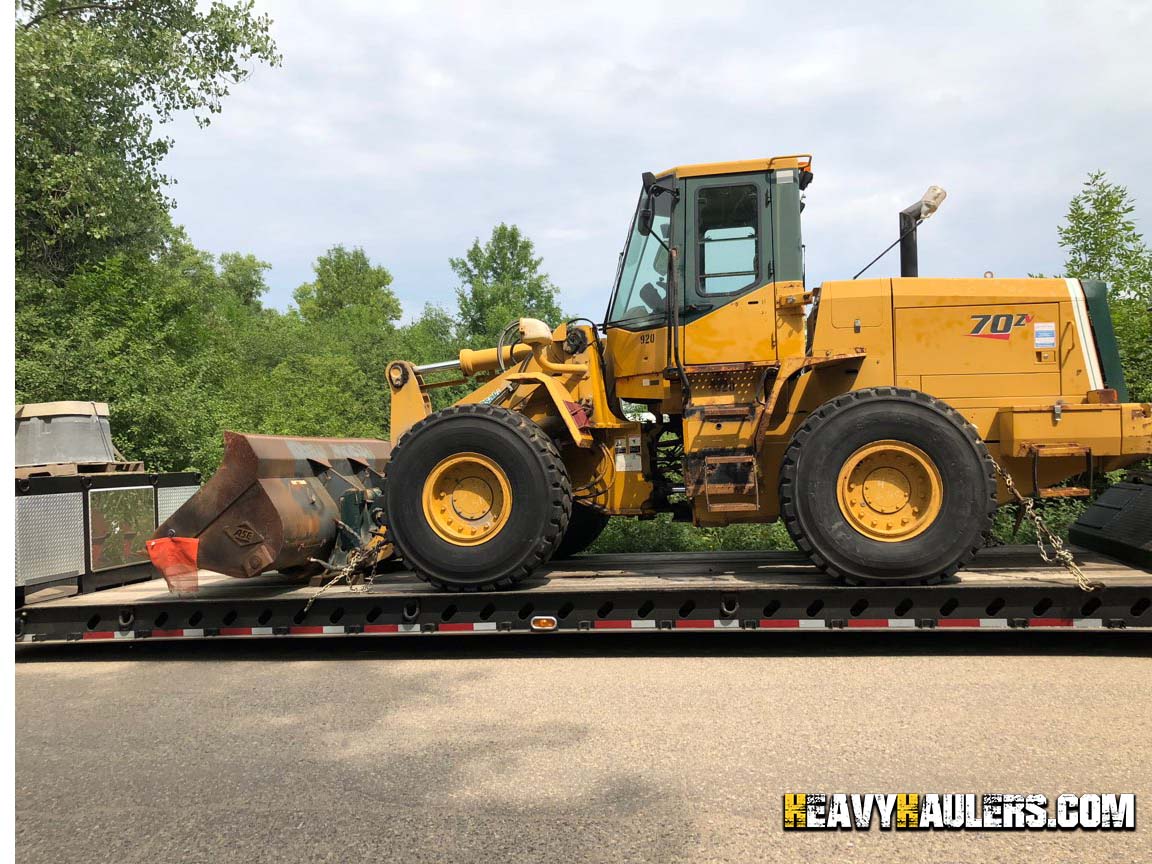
(727, 247)
(642, 282)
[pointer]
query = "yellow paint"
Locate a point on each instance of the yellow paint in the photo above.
(636, 361)
(795, 810)
(410, 404)
(602, 484)
(488, 360)
(890, 491)
(1011, 385)
(558, 395)
(467, 499)
(1100, 427)
(746, 166)
(908, 810)
(740, 331)
(791, 325)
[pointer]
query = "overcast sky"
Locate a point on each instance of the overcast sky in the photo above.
(411, 128)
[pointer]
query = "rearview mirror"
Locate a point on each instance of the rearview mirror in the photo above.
(644, 218)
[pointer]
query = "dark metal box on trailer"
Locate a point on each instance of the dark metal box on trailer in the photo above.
(83, 532)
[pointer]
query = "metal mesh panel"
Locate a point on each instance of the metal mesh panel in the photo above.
(169, 499)
(120, 522)
(49, 537)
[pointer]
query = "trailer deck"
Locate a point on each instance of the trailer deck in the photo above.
(1006, 588)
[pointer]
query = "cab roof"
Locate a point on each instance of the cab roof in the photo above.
(772, 163)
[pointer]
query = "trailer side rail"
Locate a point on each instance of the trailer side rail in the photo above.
(718, 592)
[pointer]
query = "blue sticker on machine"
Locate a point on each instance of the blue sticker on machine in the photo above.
(1044, 333)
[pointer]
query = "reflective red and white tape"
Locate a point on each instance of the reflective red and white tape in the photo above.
(599, 624)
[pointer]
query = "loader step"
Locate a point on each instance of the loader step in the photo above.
(1065, 492)
(735, 475)
(713, 412)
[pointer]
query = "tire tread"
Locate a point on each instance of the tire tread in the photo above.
(788, 469)
(559, 498)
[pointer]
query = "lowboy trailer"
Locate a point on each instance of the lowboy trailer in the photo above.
(1006, 588)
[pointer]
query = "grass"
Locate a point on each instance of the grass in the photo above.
(661, 534)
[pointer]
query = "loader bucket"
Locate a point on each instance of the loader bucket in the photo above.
(274, 503)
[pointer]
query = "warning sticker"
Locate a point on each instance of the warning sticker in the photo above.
(1044, 334)
(628, 454)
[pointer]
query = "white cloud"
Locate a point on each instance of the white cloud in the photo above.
(411, 128)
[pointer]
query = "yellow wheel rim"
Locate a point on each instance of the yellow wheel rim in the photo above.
(467, 499)
(890, 491)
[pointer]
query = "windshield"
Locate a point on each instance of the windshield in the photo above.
(642, 283)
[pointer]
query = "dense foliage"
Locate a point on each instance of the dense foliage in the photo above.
(93, 80)
(1102, 242)
(114, 303)
(500, 282)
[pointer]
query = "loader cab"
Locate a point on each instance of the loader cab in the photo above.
(715, 238)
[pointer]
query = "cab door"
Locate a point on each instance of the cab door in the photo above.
(729, 302)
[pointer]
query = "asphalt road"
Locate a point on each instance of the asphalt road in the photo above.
(662, 747)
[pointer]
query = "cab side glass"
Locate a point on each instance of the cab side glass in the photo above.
(727, 228)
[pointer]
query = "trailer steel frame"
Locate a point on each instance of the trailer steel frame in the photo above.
(1008, 588)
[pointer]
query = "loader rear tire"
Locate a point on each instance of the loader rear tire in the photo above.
(584, 527)
(889, 486)
(476, 498)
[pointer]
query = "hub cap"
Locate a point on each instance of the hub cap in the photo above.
(467, 499)
(890, 491)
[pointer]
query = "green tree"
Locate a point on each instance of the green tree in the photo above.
(150, 335)
(346, 280)
(501, 281)
(92, 82)
(1101, 241)
(243, 275)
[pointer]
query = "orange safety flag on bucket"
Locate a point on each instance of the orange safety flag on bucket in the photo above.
(175, 557)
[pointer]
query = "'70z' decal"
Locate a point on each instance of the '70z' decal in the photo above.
(999, 326)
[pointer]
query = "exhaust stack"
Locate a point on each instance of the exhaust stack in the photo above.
(910, 217)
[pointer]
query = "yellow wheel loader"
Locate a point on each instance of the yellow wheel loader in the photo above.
(878, 418)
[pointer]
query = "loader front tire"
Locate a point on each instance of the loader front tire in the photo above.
(887, 485)
(476, 498)
(584, 527)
